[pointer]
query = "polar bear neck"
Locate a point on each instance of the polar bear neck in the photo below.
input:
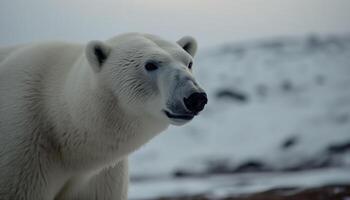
(96, 118)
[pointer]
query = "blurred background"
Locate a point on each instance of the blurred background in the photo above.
(277, 74)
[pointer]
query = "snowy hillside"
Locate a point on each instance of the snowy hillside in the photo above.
(278, 115)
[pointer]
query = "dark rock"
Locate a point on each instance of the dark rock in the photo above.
(314, 42)
(289, 142)
(251, 166)
(320, 193)
(287, 86)
(224, 167)
(339, 148)
(219, 167)
(328, 192)
(182, 173)
(232, 95)
(312, 163)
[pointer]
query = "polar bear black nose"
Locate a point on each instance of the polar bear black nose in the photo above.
(196, 102)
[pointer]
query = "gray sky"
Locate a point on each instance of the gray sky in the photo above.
(210, 21)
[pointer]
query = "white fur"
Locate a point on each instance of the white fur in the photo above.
(68, 121)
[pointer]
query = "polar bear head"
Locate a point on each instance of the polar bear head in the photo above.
(149, 76)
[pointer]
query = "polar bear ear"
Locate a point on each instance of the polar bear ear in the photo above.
(96, 53)
(189, 44)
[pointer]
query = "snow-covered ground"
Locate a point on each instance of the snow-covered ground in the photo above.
(278, 115)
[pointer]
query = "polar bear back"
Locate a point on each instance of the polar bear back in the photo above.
(31, 70)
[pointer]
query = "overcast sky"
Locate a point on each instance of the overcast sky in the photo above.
(210, 21)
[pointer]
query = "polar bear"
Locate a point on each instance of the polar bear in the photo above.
(71, 114)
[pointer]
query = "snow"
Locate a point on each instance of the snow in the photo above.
(297, 96)
(238, 184)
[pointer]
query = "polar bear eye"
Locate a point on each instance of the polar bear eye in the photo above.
(151, 66)
(190, 65)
